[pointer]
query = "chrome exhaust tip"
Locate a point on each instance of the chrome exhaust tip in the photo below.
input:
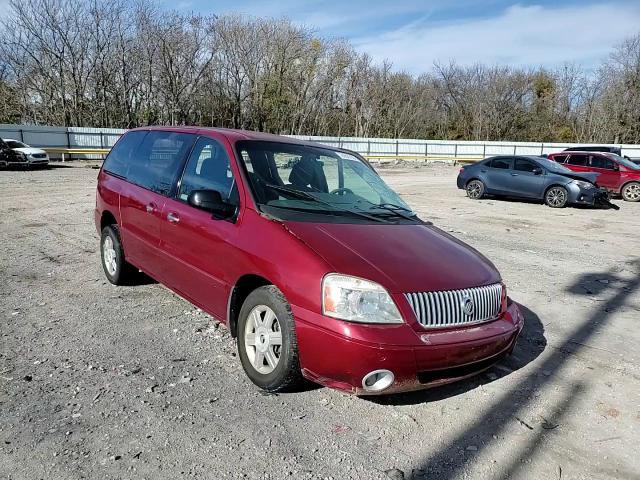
(377, 380)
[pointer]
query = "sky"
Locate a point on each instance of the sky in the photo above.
(414, 34)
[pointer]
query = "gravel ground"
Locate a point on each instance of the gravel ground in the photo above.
(98, 381)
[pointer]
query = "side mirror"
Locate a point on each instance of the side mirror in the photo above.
(537, 171)
(616, 166)
(211, 201)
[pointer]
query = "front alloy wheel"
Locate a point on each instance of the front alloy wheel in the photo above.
(556, 197)
(263, 339)
(631, 192)
(267, 343)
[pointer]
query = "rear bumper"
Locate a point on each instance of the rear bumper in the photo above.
(339, 361)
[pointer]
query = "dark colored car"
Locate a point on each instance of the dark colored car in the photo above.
(533, 178)
(7, 155)
(316, 266)
(615, 173)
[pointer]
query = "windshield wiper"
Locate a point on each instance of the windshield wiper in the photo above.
(309, 196)
(397, 210)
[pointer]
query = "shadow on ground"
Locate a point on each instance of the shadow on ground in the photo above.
(531, 343)
(453, 458)
(499, 198)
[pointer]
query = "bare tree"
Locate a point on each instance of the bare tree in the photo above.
(114, 63)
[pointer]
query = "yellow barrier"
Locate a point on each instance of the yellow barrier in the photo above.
(77, 151)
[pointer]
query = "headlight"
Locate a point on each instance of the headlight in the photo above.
(357, 300)
(584, 185)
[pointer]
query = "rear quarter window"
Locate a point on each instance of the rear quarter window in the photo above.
(123, 153)
(158, 159)
(151, 159)
(559, 158)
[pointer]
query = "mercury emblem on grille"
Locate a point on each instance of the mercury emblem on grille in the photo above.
(467, 306)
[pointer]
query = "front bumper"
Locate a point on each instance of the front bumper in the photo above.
(417, 359)
(587, 196)
(29, 162)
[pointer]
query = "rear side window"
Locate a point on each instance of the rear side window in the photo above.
(502, 163)
(579, 160)
(158, 159)
(560, 158)
(122, 154)
(524, 165)
(598, 161)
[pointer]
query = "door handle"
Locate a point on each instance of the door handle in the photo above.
(150, 207)
(173, 218)
(483, 171)
(514, 174)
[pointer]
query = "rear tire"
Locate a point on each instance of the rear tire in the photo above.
(115, 267)
(556, 197)
(631, 192)
(267, 343)
(475, 189)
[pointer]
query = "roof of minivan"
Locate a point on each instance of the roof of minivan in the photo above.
(232, 134)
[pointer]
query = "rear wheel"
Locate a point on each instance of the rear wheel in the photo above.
(556, 197)
(115, 267)
(267, 343)
(475, 189)
(631, 192)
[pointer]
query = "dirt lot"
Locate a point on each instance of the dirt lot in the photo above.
(103, 382)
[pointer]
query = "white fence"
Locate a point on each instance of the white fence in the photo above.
(410, 148)
(373, 148)
(62, 137)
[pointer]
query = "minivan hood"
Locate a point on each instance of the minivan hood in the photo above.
(402, 258)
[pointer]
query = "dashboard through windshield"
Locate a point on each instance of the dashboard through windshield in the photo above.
(319, 181)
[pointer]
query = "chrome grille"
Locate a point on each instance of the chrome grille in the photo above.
(447, 308)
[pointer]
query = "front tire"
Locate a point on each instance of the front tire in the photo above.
(267, 343)
(631, 192)
(556, 197)
(475, 189)
(115, 267)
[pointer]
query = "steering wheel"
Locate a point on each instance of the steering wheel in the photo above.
(341, 191)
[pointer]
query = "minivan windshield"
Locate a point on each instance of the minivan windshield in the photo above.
(320, 181)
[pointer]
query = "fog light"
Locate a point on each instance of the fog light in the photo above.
(377, 380)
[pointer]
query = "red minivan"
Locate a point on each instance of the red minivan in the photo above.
(617, 174)
(317, 267)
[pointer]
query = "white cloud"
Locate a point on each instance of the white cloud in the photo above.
(520, 35)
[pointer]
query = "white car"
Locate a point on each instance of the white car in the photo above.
(28, 156)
